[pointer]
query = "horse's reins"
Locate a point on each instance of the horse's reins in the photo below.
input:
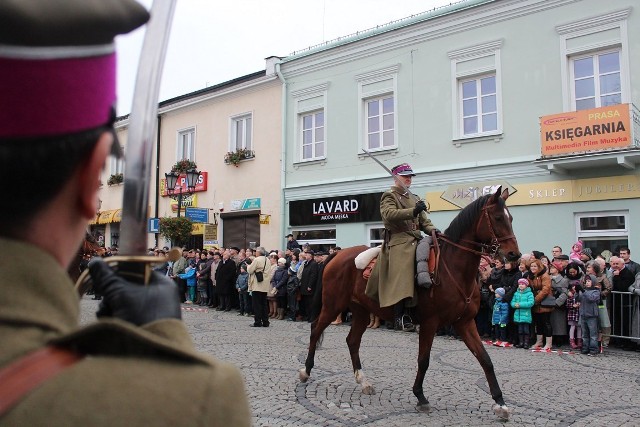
(494, 246)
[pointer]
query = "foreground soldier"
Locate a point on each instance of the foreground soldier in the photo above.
(393, 277)
(136, 366)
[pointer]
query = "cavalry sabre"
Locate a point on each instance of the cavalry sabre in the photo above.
(134, 264)
(399, 182)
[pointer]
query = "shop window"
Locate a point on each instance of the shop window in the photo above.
(602, 231)
(317, 239)
(376, 236)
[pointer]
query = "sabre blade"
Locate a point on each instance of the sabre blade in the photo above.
(135, 199)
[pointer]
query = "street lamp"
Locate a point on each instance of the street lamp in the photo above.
(172, 180)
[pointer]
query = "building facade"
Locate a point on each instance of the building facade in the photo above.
(232, 132)
(535, 95)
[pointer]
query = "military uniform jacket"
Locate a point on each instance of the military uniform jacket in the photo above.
(393, 276)
(133, 376)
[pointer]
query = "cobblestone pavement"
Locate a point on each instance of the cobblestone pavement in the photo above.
(540, 389)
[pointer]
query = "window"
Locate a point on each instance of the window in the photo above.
(313, 136)
(380, 128)
(603, 230)
(187, 144)
(317, 239)
(116, 165)
(376, 235)
(479, 105)
(476, 91)
(596, 80)
(595, 61)
(311, 123)
(377, 110)
(241, 133)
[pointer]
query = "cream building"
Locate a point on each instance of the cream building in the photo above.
(239, 203)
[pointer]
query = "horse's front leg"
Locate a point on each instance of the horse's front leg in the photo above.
(359, 321)
(327, 315)
(469, 334)
(427, 332)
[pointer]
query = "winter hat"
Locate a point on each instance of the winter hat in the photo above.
(537, 254)
(500, 292)
(587, 252)
(593, 279)
(282, 261)
(579, 245)
(557, 265)
(521, 282)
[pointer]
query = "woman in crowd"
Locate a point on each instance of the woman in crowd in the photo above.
(279, 287)
(595, 268)
(541, 286)
(559, 285)
(271, 296)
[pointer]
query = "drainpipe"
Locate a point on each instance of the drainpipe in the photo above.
(157, 197)
(283, 152)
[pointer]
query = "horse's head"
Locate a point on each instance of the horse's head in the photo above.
(495, 226)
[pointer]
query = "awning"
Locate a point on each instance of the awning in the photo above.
(117, 216)
(107, 216)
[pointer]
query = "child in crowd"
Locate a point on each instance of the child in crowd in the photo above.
(588, 301)
(242, 285)
(500, 319)
(573, 315)
(575, 251)
(190, 276)
(522, 302)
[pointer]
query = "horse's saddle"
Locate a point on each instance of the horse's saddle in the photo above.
(425, 262)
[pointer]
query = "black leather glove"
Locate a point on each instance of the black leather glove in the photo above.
(420, 206)
(133, 302)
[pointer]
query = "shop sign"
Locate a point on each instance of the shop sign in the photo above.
(245, 204)
(197, 228)
(463, 194)
(597, 129)
(211, 233)
(264, 219)
(332, 210)
(188, 200)
(201, 185)
(197, 214)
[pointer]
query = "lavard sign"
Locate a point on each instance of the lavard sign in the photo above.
(358, 208)
(597, 129)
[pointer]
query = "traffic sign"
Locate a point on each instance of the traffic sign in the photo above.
(154, 225)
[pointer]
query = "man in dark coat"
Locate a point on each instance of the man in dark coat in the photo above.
(136, 365)
(292, 243)
(623, 277)
(225, 280)
(308, 283)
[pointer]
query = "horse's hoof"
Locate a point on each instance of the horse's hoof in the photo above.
(303, 375)
(368, 389)
(423, 407)
(501, 411)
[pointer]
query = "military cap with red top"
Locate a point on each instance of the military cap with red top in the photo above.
(403, 170)
(58, 64)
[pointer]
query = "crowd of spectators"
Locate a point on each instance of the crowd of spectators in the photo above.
(579, 299)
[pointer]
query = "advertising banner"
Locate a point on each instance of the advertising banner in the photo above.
(201, 185)
(339, 209)
(598, 129)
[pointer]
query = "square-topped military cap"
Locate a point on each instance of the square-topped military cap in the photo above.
(58, 64)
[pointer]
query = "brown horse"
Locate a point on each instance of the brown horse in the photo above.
(483, 227)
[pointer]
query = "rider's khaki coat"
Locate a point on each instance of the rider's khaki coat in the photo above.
(393, 276)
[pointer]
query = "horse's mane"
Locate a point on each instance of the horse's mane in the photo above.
(467, 217)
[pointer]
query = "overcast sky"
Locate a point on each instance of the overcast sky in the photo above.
(215, 41)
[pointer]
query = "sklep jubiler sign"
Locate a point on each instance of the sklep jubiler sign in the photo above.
(331, 210)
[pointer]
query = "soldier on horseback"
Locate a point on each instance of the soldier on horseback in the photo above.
(404, 217)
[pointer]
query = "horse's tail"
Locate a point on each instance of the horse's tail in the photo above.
(316, 303)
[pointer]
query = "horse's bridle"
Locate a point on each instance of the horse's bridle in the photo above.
(490, 249)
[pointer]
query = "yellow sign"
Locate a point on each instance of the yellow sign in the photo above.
(106, 217)
(117, 217)
(579, 190)
(188, 201)
(264, 219)
(197, 228)
(597, 129)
